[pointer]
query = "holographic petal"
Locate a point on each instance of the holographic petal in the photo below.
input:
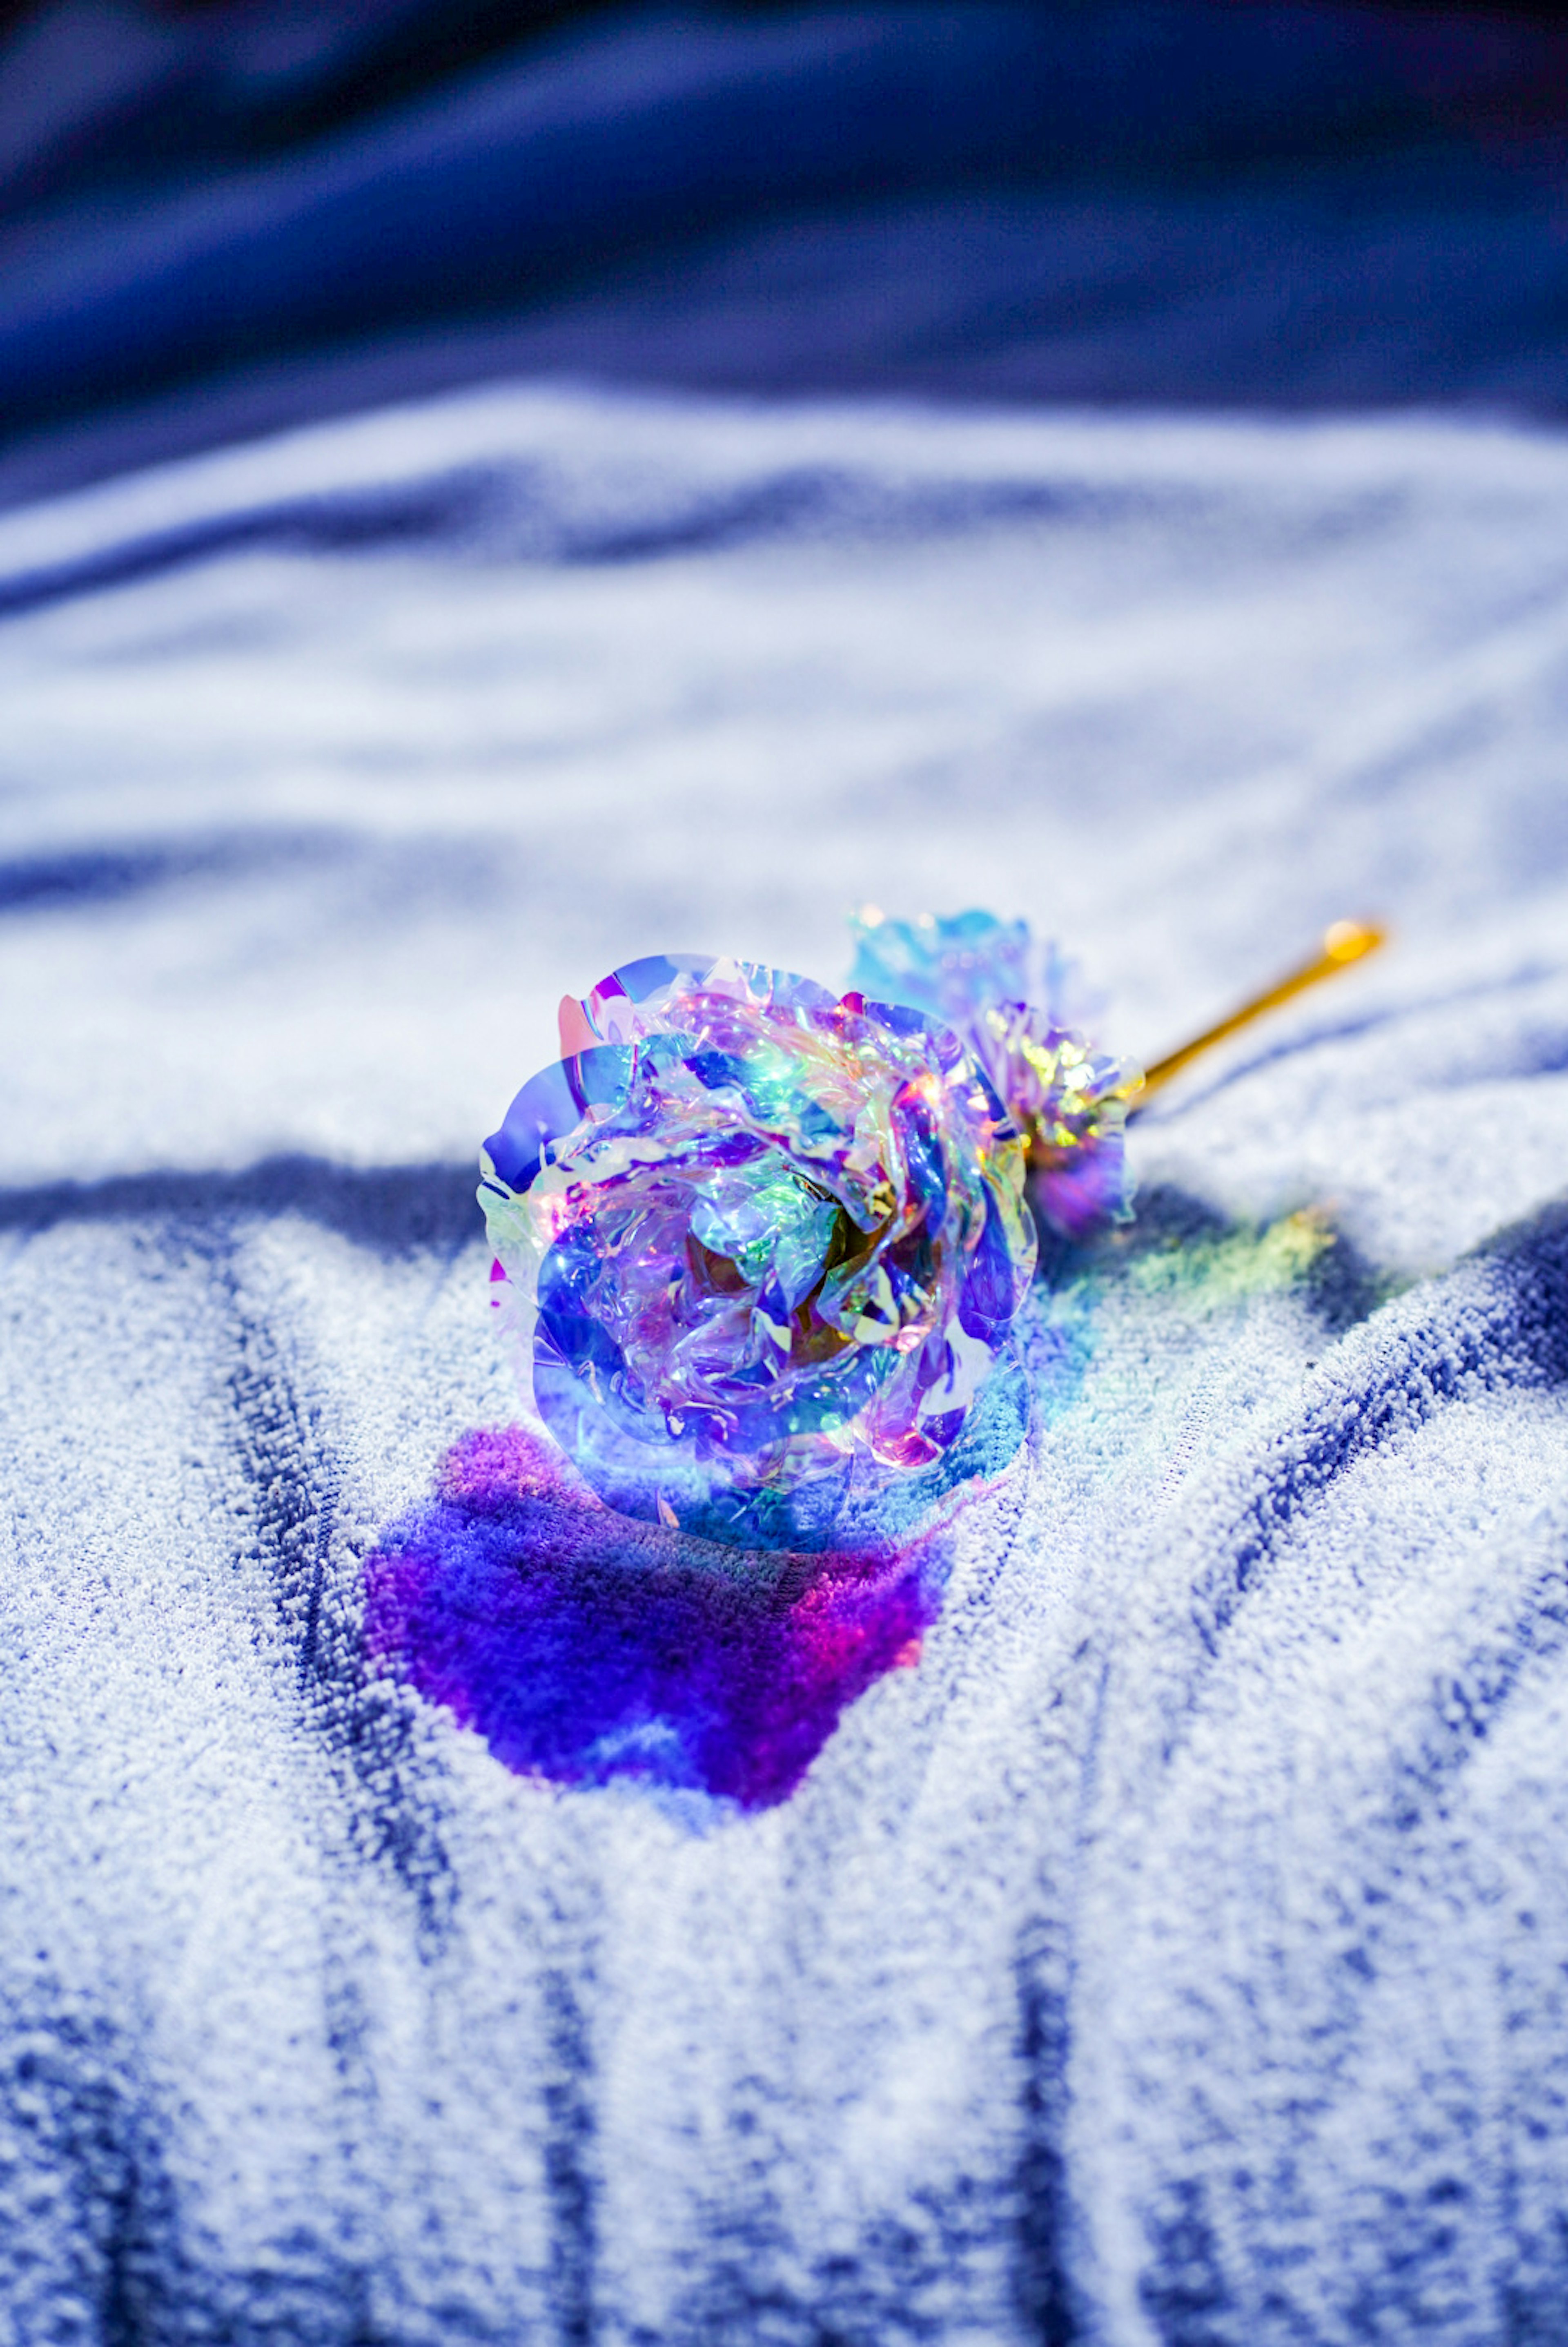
(761, 1246)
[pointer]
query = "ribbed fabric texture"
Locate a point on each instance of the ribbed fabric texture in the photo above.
(1173, 1951)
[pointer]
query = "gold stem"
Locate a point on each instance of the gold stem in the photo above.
(1345, 942)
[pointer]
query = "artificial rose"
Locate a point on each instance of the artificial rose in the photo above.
(762, 1246)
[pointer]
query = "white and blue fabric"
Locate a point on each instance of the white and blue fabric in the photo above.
(1175, 1956)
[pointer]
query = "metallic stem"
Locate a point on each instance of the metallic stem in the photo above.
(1345, 942)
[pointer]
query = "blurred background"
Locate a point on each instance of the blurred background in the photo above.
(317, 203)
(489, 488)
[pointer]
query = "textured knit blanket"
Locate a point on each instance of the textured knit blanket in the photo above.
(431, 1912)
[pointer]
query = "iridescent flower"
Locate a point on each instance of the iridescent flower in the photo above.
(1002, 994)
(761, 1246)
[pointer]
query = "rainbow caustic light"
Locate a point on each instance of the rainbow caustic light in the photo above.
(761, 1246)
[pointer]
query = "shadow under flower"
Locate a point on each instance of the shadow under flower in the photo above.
(585, 1647)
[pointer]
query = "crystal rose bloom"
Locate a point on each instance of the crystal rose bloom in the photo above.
(761, 1248)
(1003, 993)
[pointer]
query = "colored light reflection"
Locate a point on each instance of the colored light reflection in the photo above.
(584, 1648)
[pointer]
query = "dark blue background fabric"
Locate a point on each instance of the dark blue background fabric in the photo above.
(1168, 200)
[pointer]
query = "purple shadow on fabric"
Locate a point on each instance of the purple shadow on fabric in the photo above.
(583, 1646)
